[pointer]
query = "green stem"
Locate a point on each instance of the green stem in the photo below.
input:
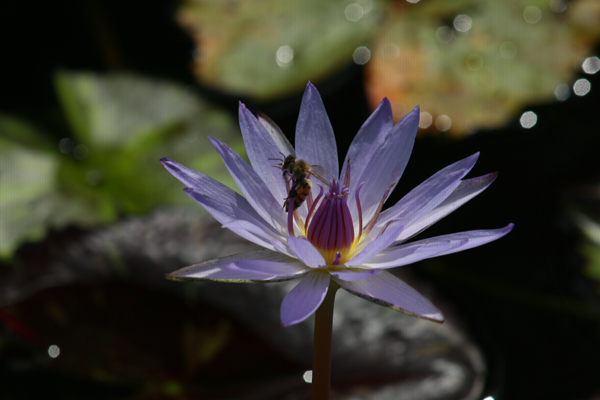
(321, 376)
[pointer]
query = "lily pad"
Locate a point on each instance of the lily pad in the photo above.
(474, 64)
(121, 125)
(268, 48)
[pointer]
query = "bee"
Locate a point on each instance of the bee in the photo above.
(299, 172)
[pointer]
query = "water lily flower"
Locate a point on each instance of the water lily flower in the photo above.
(341, 234)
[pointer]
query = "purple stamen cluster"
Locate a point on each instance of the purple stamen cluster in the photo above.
(331, 228)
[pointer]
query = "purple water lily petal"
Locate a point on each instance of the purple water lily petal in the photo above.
(389, 291)
(252, 187)
(429, 194)
(434, 247)
(467, 189)
(354, 274)
(306, 252)
(367, 141)
(386, 166)
(256, 235)
(304, 299)
(216, 270)
(315, 141)
(277, 135)
(272, 265)
(377, 245)
(234, 207)
(260, 146)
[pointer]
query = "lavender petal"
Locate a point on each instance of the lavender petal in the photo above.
(304, 299)
(387, 290)
(315, 141)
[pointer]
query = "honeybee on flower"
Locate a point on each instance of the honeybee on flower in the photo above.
(343, 236)
(298, 172)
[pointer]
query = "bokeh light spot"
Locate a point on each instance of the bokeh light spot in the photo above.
(443, 123)
(307, 376)
(558, 6)
(80, 152)
(532, 15)
(462, 23)
(284, 56)
(354, 12)
(562, 91)
(474, 62)
(528, 119)
(425, 120)
(66, 145)
(361, 55)
(390, 51)
(591, 65)
(53, 351)
(444, 34)
(508, 50)
(581, 87)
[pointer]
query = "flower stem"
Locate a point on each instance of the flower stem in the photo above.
(321, 376)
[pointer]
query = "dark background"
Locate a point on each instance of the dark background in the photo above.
(524, 297)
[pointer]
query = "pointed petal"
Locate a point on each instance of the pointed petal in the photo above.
(216, 270)
(306, 252)
(377, 245)
(304, 299)
(230, 207)
(367, 141)
(429, 194)
(252, 186)
(467, 189)
(315, 141)
(389, 291)
(221, 202)
(254, 234)
(277, 135)
(354, 274)
(434, 247)
(260, 146)
(194, 179)
(273, 265)
(385, 167)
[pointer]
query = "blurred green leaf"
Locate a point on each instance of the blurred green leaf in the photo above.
(269, 48)
(477, 62)
(122, 126)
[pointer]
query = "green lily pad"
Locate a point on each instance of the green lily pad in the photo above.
(475, 64)
(269, 48)
(122, 126)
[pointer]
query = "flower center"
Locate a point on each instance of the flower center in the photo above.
(331, 230)
(329, 225)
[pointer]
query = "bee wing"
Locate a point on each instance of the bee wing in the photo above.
(318, 172)
(275, 132)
